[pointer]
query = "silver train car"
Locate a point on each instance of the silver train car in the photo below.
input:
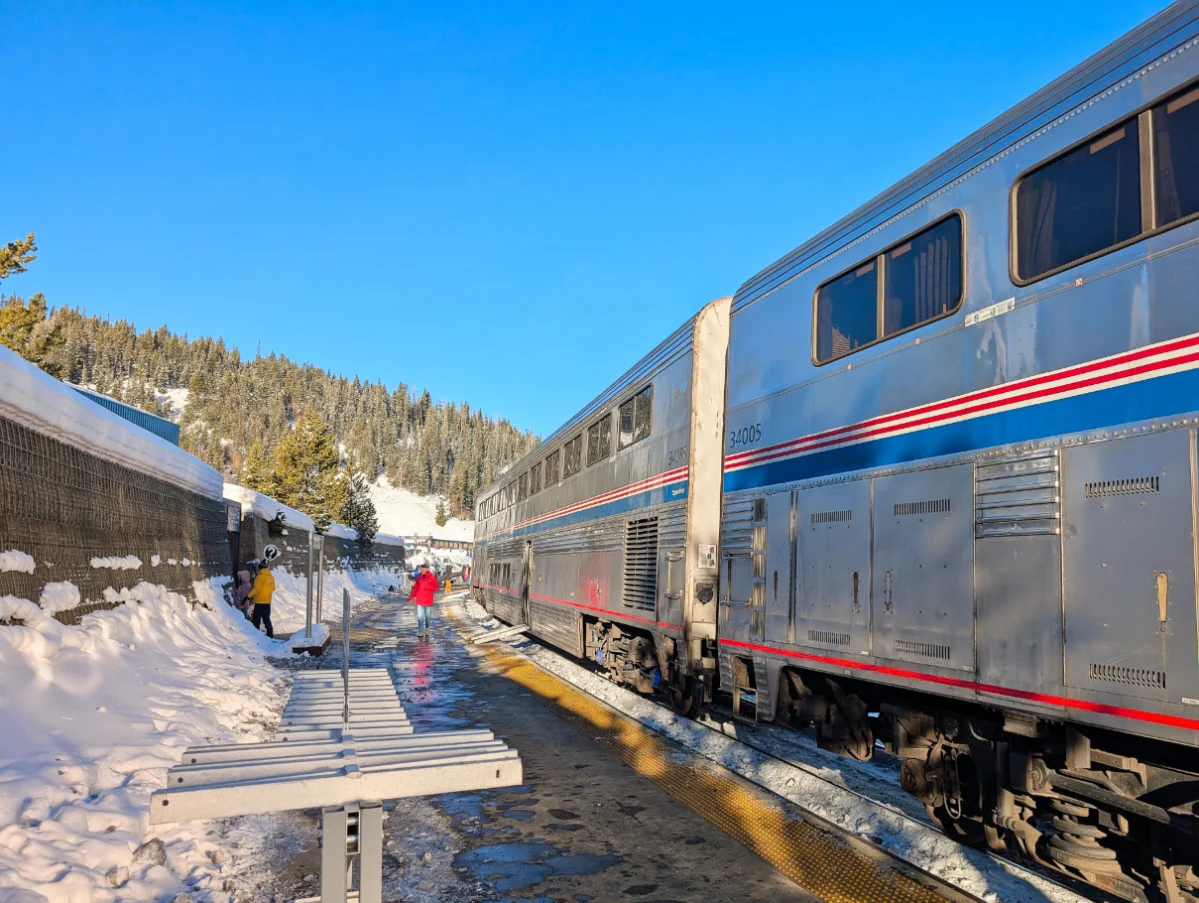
(956, 503)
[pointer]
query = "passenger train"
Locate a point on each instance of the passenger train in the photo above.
(928, 484)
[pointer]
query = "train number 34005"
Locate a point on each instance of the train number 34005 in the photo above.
(747, 435)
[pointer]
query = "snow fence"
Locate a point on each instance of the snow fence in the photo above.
(90, 503)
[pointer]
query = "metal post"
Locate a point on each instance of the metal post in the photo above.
(320, 578)
(308, 592)
(334, 857)
(370, 853)
(345, 653)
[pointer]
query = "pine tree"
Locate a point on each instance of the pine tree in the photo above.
(306, 462)
(25, 329)
(440, 517)
(359, 510)
(256, 471)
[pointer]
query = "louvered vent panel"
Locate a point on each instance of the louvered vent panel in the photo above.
(605, 537)
(1018, 495)
(828, 638)
(928, 506)
(641, 564)
(830, 517)
(737, 527)
(925, 650)
(1134, 677)
(1133, 486)
(672, 527)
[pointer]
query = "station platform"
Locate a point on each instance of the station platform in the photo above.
(609, 809)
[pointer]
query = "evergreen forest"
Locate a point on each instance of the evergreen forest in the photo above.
(239, 411)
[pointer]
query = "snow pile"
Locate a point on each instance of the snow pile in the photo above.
(58, 597)
(13, 560)
(94, 714)
(43, 404)
(404, 513)
(122, 563)
(266, 507)
(289, 603)
(320, 633)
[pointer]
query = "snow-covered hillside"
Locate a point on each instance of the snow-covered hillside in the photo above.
(404, 513)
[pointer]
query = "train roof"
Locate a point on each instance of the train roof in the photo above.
(666, 351)
(1121, 61)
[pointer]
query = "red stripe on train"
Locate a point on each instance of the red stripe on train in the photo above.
(990, 689)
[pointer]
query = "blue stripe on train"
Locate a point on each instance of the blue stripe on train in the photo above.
(671, 492)
(1175, 395)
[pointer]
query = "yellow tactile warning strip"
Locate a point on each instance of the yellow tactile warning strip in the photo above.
(817, 861)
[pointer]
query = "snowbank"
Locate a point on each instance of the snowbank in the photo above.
(43, 404)
(266, 507)
(289, 604)
(94, 714)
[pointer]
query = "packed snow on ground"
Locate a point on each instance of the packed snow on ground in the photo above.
(43, 404)
(822, 788)
(94, 714)
(402, 512)
(15, 560)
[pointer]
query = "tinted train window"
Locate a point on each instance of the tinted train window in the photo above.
(923, 277)
(535, 479)
(1176, 145)
(551, 469)
(847, 313)
(522, 487)
(1080, 204)
(636, 417)
(572, 456)
(599, 440)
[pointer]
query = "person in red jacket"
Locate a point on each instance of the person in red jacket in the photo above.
(421, 596)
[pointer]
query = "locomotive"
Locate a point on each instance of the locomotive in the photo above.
(928, 485)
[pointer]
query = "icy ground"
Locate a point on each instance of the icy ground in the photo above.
(861, 798)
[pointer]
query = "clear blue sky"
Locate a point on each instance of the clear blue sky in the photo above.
(506, 204)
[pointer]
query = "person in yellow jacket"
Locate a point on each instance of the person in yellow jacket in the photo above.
(260, 594)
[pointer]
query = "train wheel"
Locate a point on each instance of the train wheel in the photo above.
(686, 699)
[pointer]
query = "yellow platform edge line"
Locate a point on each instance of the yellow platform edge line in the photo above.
(819, 862)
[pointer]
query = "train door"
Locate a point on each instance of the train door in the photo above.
(1129, 567)
(743, 555)
(924, 567)
(833, 602)
(780, 566)
(526, 580)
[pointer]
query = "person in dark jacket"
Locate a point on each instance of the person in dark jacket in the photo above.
(422, 597)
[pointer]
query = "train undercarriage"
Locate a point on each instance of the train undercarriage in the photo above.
(1114, 811)
(1117, 812)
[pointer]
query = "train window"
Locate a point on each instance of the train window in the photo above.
(1176, 152)
(599, 440)
(1081, 204)
(922, 278)
(535, 479)
(847, 313)
(551, 469)
(636, 417)
(522, 487)
(572, 456)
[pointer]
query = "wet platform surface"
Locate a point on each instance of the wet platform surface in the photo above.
(596, 820)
